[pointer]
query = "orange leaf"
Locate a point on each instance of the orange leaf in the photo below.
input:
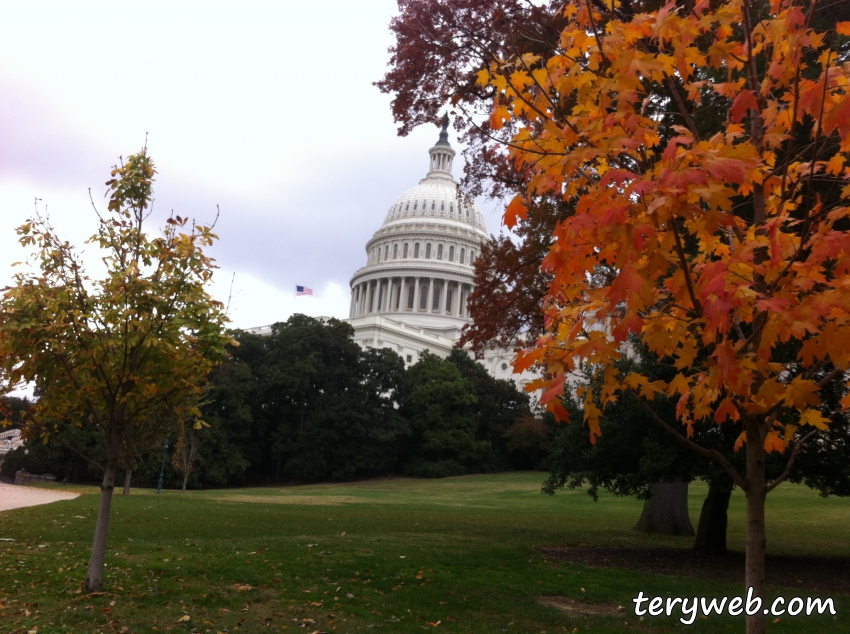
(516, 209)
(741, 440)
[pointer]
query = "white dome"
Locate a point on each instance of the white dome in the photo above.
(436, 198)
(420, 263)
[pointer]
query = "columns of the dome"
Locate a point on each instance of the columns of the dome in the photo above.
(351, 307)
(384, 286)
(462, 307)
(404, 292)
(416, 294)
(430, 297)
(443, 290)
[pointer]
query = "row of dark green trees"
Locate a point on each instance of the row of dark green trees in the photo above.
(308, 404)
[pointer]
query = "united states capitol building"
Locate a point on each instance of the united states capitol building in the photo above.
(412, 293)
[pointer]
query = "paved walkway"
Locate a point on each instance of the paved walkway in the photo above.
(16, 497)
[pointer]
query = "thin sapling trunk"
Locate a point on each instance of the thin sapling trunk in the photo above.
(94, 581)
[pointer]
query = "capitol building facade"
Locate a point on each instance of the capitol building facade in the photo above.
(411, 296)
(412, 293)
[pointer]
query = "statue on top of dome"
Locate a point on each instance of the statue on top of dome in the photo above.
(444, 132)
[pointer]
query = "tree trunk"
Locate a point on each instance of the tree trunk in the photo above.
(666, 512)
(185, 479)
(713, 519)
(128, 476)
(756, 535)
(94, 581)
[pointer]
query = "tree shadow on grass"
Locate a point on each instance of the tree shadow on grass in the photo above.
(825, 574)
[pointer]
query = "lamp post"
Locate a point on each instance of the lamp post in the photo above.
(162, 468)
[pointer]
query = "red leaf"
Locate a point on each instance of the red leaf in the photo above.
(744, 102)
(556, 390)
(726, 410)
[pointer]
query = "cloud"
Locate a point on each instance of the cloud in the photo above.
(42, 147)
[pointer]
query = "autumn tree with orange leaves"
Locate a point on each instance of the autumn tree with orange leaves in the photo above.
(729, 250)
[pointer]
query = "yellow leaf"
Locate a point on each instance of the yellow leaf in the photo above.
(814, 418)
(801, 392)
(843, 28)
(184, 618)
(835, 164)
(679, 384)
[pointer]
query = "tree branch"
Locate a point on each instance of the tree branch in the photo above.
(712, 454)
(791, 460)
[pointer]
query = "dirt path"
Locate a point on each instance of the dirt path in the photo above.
(16, 497)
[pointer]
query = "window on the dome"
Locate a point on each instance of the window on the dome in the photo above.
(415, 204)
(462, 256)
(439, 251)
(386, 252)
(435, 301)
(404, 251)
(410, 294)
(407, 206)
(423, 297)
(451, 208)
(471, 257)
(395, 252)
(467, 212)
(416, 250)
(442, 206)
(433, 205)
(451, 254)
(428, 251)
(449, 301)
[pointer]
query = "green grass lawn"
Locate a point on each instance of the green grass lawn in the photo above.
(452, 555)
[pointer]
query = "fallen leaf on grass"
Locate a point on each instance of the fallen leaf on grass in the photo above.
(315, 604)
(242, 587)
(433, 624)
(184, 618)
(419, 575)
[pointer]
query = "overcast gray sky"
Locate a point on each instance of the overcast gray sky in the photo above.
(266, 109)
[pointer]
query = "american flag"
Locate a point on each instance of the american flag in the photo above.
(303, 290)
